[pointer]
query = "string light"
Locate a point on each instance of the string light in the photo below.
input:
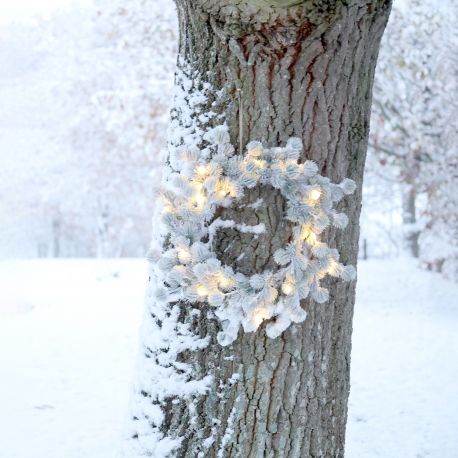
(201, 290)
(184, 255)
(288, 285)
(224, 282)
(202, 171)
(168, 209)
(197, 186)
(281, 165)
(308, 235)
(333, 268)
(224, 188)
(222, 194)
(202, 277)
(259, 315)
(259, 163)
(314, 195)
(255, 152)
(180, 269)
(198, 201)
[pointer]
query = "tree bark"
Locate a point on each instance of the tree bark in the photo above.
(278, 72)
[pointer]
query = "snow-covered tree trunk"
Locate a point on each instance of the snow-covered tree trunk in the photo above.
(270, 73)
(409, 219)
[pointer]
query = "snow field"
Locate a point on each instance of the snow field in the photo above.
(69, 336)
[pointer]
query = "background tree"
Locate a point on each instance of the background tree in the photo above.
(86, 136)
(118, 126)
(412, 138)
(269, 71)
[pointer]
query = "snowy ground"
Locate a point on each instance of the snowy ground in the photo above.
(68, 333)
(68, 336)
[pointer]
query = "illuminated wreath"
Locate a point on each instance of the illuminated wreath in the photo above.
(188, 268)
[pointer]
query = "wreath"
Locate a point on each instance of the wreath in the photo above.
(188, 268)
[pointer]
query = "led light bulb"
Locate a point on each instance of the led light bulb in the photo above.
(308, 235)
(305, 232)
(333, 267)
(202, 170)
(224, 282)
(287, 287)
(255, 152)
(315, 195)
(259, 315)
(197, 186)
(259, 163)
(201, 290)
(312, 239)
(184, 255)
(224, 187)
(198, 201)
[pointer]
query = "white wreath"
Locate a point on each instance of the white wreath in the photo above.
(215, 177)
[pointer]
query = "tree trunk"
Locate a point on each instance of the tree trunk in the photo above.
(275, 72)
(56, 233)
(409, 219)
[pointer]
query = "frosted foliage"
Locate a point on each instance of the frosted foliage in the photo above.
(191, 270)
(117, 98)
(413, 135)
(202, 180)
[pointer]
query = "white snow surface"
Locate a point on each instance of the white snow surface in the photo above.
(69, 337)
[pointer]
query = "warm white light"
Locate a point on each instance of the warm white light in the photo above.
(181, 269)
(202, 171)
(197, 186)
(259, 163)
(281, 165)
(198, 201)
(168, 209)
(201, 290)
(184, 255)
(321, 274)
(308, 235)
(223, 188)
(224, 282)
(315, 195)
(259, 315)
(332, 269)
(287, 287)
(256, 152)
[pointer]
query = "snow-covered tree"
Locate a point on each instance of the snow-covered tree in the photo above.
(413, 138)
(439, 239)
(122, 94)
(100, 102)
(246, 338)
